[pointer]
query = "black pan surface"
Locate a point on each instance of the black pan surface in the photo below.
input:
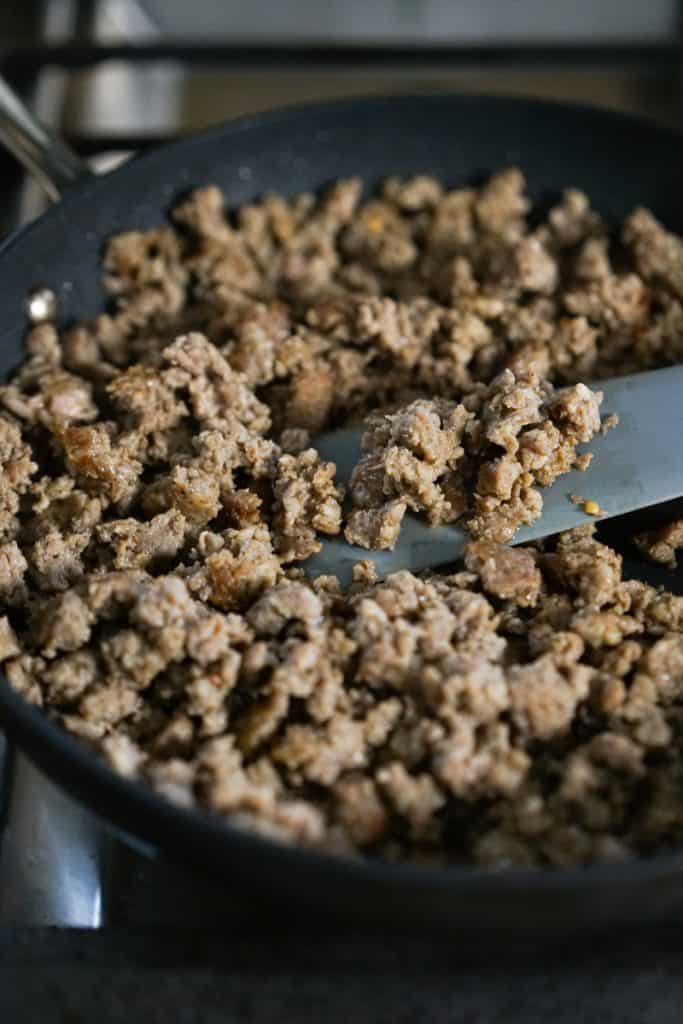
(620, 162)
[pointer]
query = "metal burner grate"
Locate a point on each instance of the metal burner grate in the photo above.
(89, 62)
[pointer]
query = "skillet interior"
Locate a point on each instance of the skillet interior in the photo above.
(620, 163)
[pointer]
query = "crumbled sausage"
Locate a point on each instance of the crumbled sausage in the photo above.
(411, 457)
(16, 469)
(242, 569)
(55, 558)
(658, 254)
(508, 573)
(543, 698)
(217, 393)
(63, 623)
(13, 565)
(307, 502)
(135, 545)
(415, 798)
(376, 528)
(662, 544)
(160, 491)
(9, 644)
(360, 809)
(509, 438)
(108, 469)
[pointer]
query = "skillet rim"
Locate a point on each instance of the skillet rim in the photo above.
(84, 774)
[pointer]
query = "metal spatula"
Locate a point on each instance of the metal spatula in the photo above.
(639, 463)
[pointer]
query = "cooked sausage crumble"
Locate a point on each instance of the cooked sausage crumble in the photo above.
(161, 491)
(481, 460)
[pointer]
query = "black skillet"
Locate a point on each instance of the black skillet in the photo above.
(620, 162)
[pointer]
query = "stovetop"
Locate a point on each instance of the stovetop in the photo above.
(94, 928)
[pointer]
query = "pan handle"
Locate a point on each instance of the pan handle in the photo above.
(53, 164)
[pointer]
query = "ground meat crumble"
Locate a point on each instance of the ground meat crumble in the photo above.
(481, 460)
(160, 488)
(662, 544)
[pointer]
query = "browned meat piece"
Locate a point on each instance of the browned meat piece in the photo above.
(311, 398)
(573, 220)
(307, 502)
(662, 544)
(241, 570)
(55, 559)
(399, 329)
(501, 205)
(413, 194)
(13, 565)
(476, 762)
(658, 253)
(217, 394)
(360, 809)
(259, 333)
(108, 469)
(508, 573)
(16, 469)
(543, 698)
(617, 302)
(380, 237)
(193, 494)
(9, 644)
(57, 398)
(136, 259)
(535, 269)
(588, 568)
(417, 799)
(137, 544)
(63, 623)
(376, 528)
(141, 391)
(410, 458)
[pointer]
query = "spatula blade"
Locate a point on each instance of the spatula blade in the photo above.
(639, 463)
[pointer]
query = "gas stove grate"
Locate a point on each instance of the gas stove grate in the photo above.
(660, 61)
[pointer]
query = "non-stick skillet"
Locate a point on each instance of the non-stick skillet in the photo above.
(618, 161)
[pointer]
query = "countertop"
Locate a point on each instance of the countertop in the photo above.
(187, 976)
